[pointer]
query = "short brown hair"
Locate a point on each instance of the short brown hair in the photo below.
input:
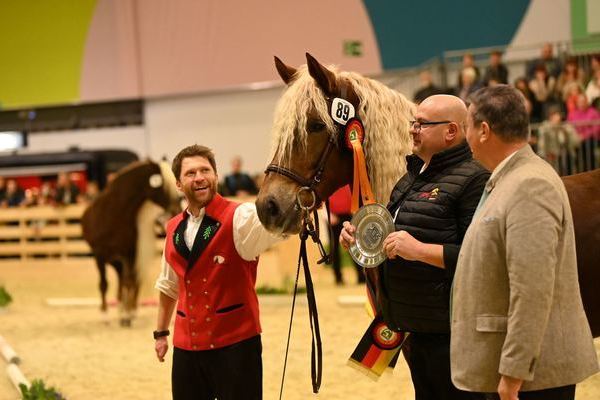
(194, 150)
(503, 108)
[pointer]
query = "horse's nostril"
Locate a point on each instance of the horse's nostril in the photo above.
(272, 208)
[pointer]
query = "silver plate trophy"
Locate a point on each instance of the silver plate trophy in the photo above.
(373, 224)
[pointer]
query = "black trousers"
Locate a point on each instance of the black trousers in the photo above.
(428, 357)
(559, 393)
(336, 259)
(229, 373)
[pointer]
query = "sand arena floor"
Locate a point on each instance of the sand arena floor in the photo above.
(88, 356)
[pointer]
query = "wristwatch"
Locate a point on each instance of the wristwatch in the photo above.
(158, 334)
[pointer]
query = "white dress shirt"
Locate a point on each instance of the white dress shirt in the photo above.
(249, 237)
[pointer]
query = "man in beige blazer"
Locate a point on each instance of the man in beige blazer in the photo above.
(518, 325)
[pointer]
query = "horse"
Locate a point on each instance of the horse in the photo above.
(119, 227)
(309, 159)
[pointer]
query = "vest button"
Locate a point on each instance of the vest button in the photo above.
(189, 294)
(203, 279)
(193, 320)
(193, 333)
(205, 293)
(207, 319)
(207, 307)
(212, 346)
(191, 307)
(209, 333)
(194, 347)
(188, 281)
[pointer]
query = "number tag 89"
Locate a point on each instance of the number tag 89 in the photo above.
(341, 110)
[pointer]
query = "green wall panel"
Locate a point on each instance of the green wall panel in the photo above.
(42, 44)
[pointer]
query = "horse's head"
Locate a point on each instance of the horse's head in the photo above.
(162, 189)
(310, 158)
(148, 180)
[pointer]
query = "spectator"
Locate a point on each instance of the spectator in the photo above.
(552, 64)
(467, 62)
(542, 86)
(91, 192)
(427, 87)
(585, 118)
(66, 191)
(558, 143)
(571, 75)
(593, 89)
(14, 194)
(469, 83)
(496, 71)
(2, 189)
(238, 183)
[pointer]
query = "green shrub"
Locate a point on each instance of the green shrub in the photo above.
(38, 391)
(5, 298)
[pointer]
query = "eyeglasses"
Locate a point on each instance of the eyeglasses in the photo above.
(417, 125)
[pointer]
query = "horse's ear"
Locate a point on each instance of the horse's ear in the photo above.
(324, 77)
(285, 71)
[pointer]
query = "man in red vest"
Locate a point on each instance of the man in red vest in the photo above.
(208, 275)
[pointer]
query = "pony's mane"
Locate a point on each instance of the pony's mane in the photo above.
(384, 113)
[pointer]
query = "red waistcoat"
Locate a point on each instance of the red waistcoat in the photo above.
(217, 303)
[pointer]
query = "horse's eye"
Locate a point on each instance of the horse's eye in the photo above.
(315, 126)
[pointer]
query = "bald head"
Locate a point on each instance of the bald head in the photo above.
(442, 120)
(447, 108)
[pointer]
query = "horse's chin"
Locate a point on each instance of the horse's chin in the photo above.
(287, 225)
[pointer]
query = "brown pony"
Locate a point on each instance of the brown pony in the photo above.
(119, 227)
(309, 153)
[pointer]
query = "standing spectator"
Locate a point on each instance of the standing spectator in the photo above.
(552, 64)
(570, 76)
(533, 106)
(66, 191)
(585, 118)
(496, 71)
(469, 83)
(427, 87)
(340, 210)
(542, 86)
(593, 89)
(519, 330)
(14, 194)
(239, 183)
(467, 62)
(558, 143)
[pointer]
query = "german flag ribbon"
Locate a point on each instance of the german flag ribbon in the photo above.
(378, 349)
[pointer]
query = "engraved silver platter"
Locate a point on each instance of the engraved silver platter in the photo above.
(373, 224)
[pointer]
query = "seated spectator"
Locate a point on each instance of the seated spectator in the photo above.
(552, 64)
(496, 72)
(585, 119)
(14, 194)
(593, 89)
(558, 143)
(427, 87)
(66, 191)
(469, 84)
(570, 75)
(2, 189)
(238, 183)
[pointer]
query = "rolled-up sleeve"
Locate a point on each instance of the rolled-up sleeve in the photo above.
(249, 236)
(167, 281)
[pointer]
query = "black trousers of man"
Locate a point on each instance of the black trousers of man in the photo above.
(229, 373)
(559, 393)
(428, 357)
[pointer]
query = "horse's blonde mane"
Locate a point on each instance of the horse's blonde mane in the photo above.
(384, 113)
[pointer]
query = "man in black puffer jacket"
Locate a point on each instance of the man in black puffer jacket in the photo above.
(432, 207)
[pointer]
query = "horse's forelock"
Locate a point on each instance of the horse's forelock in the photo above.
(291, 114)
